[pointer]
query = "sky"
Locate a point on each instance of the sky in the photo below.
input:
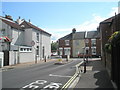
(59, 18)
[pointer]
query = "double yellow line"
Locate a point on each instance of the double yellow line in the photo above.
(73, 77)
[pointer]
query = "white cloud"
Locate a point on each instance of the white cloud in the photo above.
(91, 24)
(85, 26)
(94, 22)
(58, 33)
(113, 11)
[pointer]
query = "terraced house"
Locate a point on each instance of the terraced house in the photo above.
(76, 44)
(25, 42)
(71, 44)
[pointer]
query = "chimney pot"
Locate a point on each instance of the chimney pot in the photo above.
(73, 30)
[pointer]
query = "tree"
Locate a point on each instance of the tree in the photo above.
(54, 46)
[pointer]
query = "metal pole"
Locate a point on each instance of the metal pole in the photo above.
(84, 66)
(84, 61)
(35, 56)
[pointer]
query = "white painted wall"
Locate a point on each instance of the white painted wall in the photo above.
(24, 38)
(37, 43)
(7, 32)
(28, 37)
(26, 57)
(1, 59)
(46, 42)
(17, 37)
(13, 57)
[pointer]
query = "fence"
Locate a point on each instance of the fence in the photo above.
(116, 65)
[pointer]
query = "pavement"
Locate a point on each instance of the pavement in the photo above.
(95, 78)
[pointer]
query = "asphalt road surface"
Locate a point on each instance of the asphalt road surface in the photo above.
(46, 75)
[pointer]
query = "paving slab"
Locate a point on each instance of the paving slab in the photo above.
(96, 77)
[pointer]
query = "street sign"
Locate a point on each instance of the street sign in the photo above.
(32, 43)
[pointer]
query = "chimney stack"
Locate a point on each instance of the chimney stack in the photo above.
(8, 17)
(19, 21)
(73, 30)
(29, 20)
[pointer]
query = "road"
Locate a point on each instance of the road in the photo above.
(45, 75)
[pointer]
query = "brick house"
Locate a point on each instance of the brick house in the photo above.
(92, 42)
(110, 60)
(71, 44)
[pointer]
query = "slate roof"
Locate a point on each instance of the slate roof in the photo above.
(74, 36)
(78, 35)
(29, 25)
(93, 34)
(67, 37)
(109, 20)
(11, 23)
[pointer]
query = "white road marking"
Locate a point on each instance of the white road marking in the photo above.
(37, 84)
(53, 86)
(59, 76)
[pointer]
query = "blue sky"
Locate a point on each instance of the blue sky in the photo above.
(58, 18)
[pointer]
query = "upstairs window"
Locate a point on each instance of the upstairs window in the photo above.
(67, 42)
(37, 50)
(93, 42)
(37, 35)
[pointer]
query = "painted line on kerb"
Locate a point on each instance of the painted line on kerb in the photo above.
(73, 77)
(59, 76)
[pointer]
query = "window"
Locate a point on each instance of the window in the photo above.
(21, 49)
(93, 50)
(3, 31)
(87, 42)
(37, 35)
(93, 42)
(37, 50)
(67, 51)
(60, 51)
(26, 49)
(67, 42)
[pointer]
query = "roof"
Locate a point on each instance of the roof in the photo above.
(11, 23)
(78, 35)
(67, 37)
(74, 36)
(92, 34)
(109, 20)
(29, 25)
